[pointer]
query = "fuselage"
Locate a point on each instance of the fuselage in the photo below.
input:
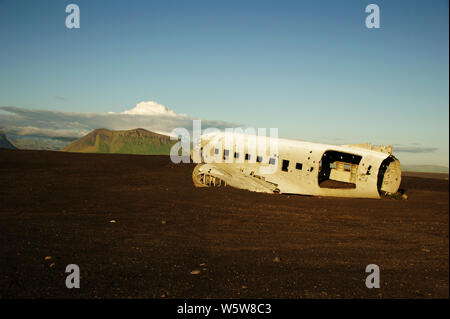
(306, 168)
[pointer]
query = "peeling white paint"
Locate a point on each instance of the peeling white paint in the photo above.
(296, 167)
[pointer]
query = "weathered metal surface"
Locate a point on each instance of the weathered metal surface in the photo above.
(296, 167)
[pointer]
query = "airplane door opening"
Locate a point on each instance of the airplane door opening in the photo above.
(338, 170)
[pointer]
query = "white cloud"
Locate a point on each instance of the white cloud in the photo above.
(151, 108)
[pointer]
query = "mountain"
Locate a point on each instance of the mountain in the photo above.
(5, 143)
(137, 141)
(425, 168)
(37, 143)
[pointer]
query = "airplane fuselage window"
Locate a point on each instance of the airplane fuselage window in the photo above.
(285, 165)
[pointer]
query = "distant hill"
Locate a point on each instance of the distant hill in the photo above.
(137, 141)
(425, 168)
(37, 143)
(5, 143)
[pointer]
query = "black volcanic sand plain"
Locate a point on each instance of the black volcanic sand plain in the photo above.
(137, 227)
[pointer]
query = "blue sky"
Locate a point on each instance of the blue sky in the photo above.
(310, 68)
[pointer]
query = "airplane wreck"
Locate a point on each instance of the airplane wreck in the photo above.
(295, 167)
